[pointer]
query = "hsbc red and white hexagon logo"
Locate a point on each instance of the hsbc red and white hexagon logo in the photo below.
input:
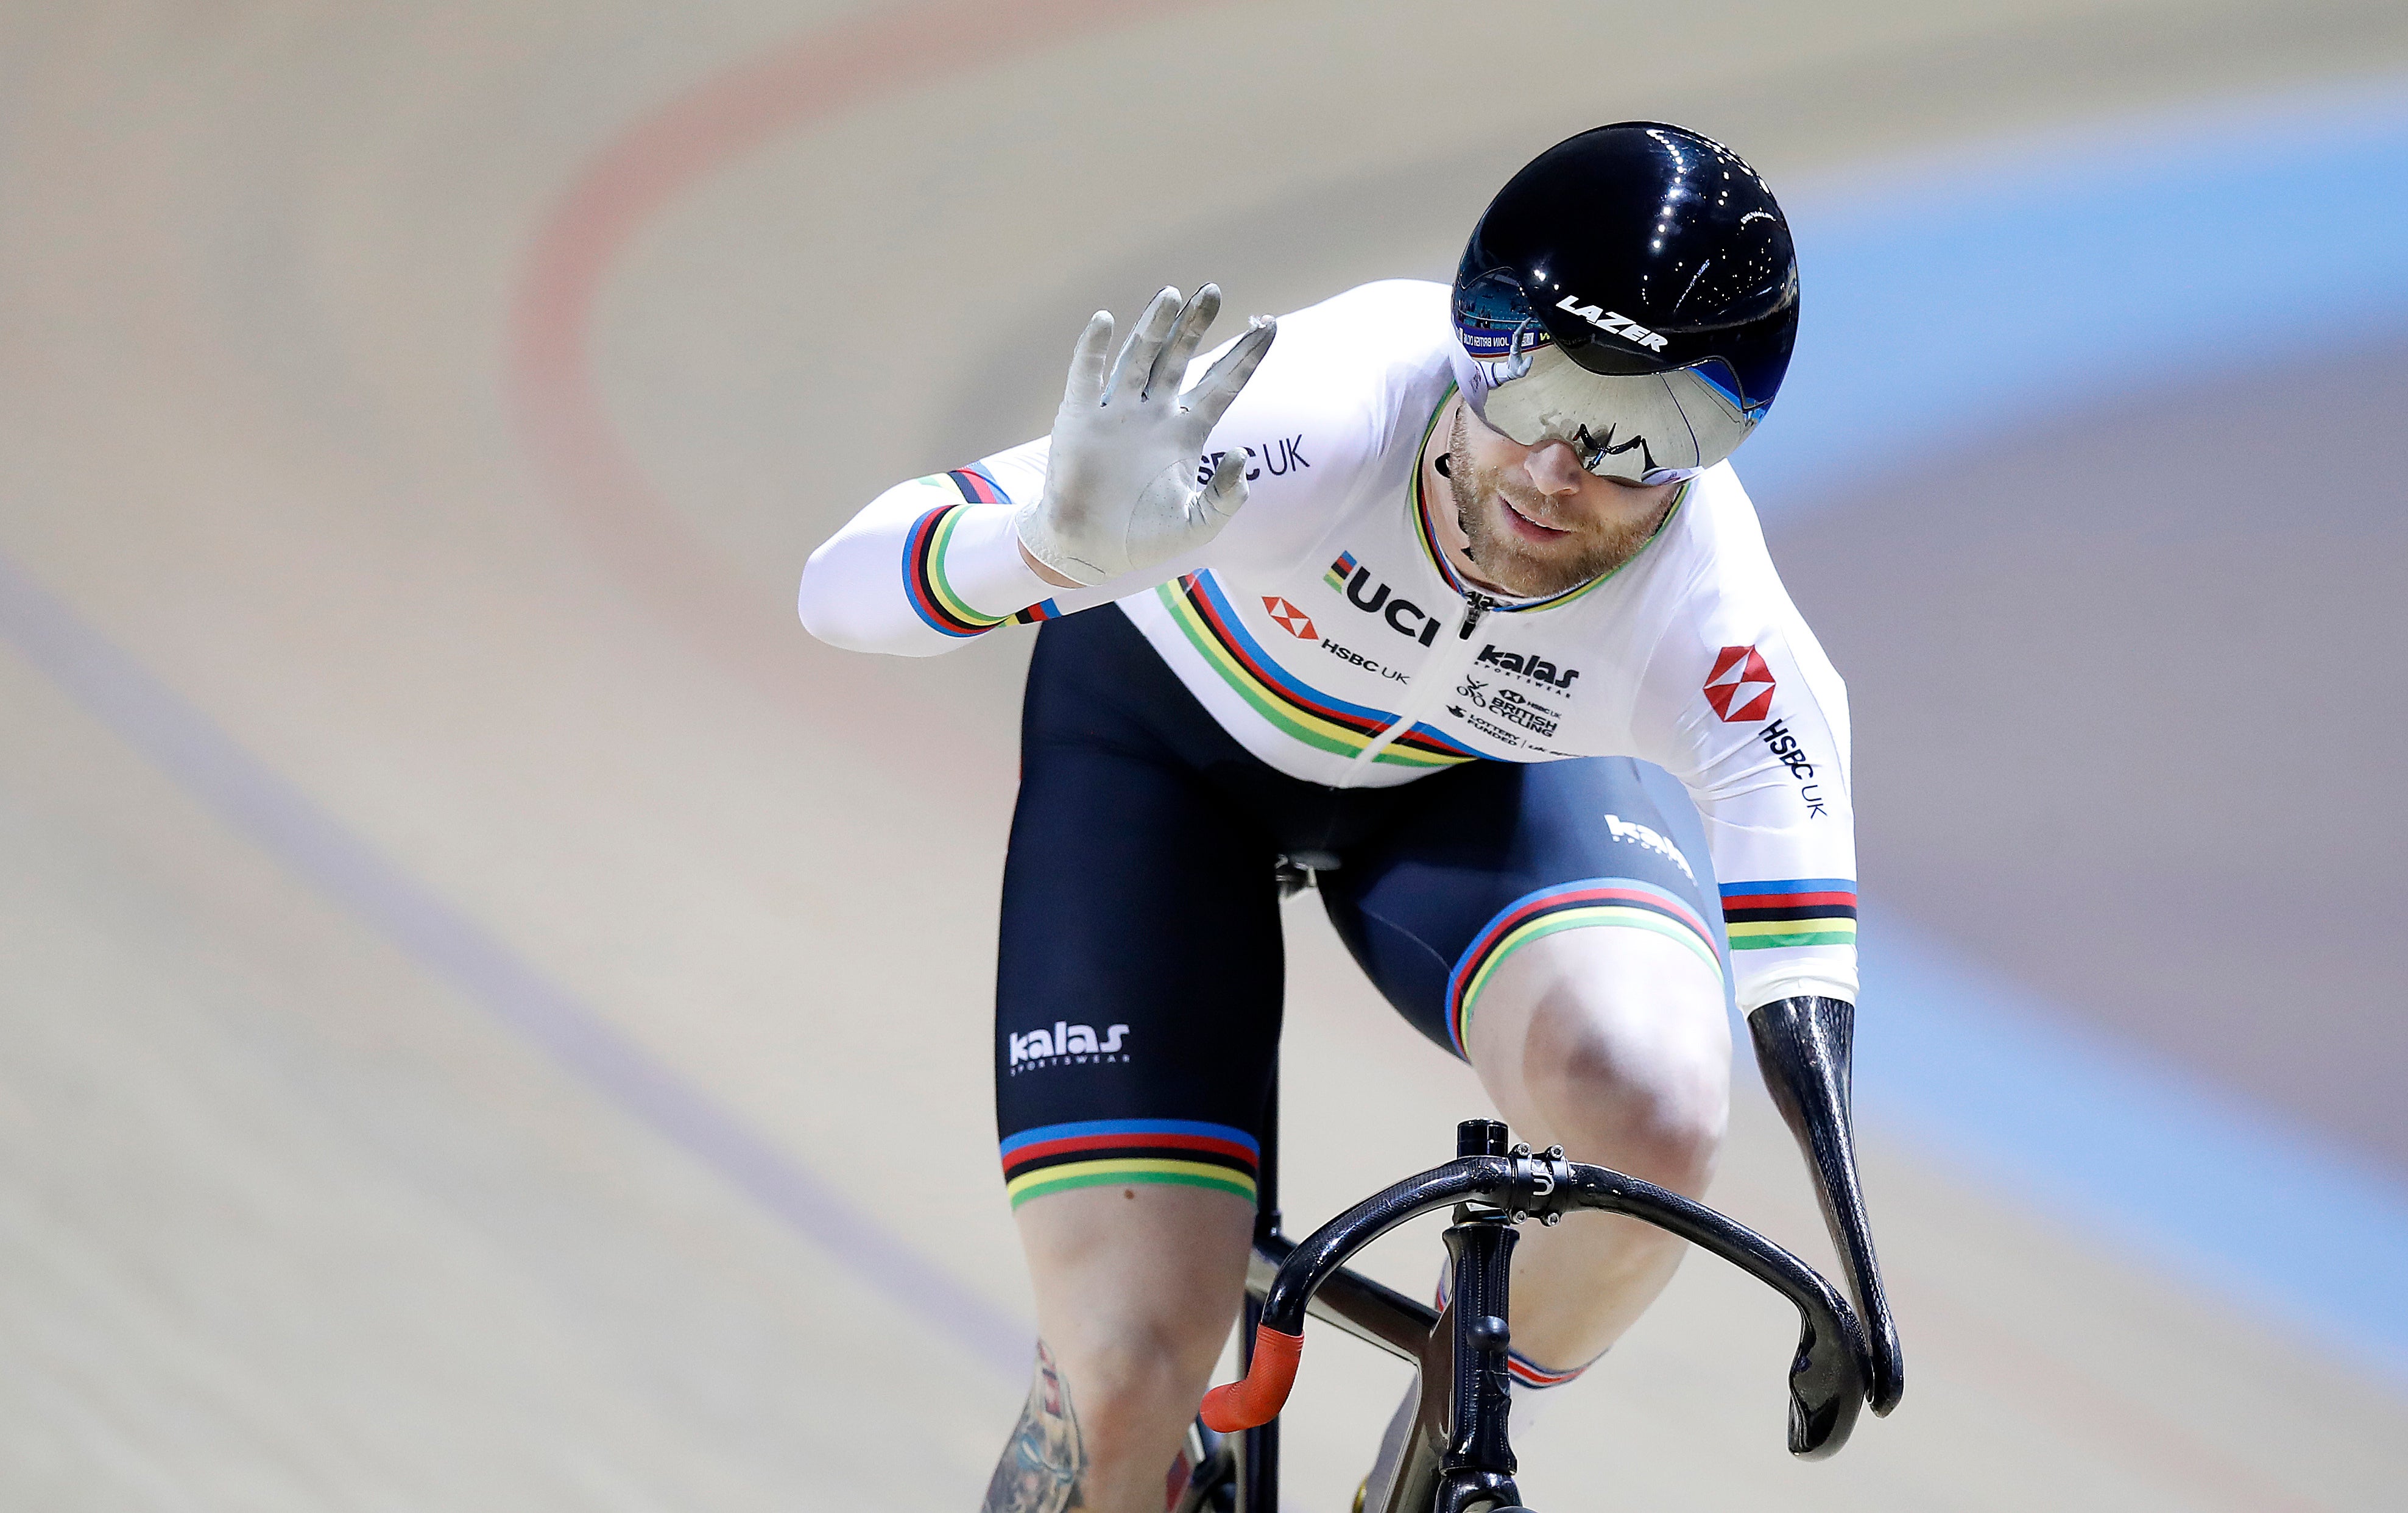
(1741, 685)
(1290, 619)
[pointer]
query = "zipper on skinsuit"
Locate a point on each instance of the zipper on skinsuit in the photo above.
(1449, 656)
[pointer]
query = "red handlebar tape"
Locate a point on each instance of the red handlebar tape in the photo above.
(1257, 1399)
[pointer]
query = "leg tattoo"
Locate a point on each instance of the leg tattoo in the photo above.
(1040, 1468)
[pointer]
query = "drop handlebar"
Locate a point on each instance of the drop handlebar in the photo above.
(1828, 1377)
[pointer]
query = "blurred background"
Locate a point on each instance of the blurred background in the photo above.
(493, 1017)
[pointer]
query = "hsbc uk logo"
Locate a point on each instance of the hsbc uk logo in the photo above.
(1792, 754)
(1286, 614)
(1278, 456)
(1288, 617)
(1741, 685)
(1740, 689)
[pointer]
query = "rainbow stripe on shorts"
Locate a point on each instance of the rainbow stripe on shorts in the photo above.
(1100, 1152)
(1624, 903)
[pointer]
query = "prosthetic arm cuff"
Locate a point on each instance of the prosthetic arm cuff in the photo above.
(1802, 1046)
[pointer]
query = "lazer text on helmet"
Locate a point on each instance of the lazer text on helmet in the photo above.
(1612, 323)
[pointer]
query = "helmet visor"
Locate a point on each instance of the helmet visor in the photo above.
(1640, 427)
(1653, 425)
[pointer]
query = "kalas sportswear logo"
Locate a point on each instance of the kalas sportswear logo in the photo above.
(1536, 668)
(1290, 619)
(1612, 323)
(1741, 685)
(1066, 1043)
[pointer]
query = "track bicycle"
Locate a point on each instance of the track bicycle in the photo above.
(1457, 1457)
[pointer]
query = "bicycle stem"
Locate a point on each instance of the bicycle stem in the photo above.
(1478, 1458)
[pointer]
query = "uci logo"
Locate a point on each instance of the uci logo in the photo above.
(1612, 323)
(1403, 616)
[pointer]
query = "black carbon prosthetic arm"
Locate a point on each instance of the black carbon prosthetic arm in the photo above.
(1802, 1047)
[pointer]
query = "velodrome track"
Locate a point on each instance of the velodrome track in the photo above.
(494, 1018)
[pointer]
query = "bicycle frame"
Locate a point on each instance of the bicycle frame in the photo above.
(1456, 1456)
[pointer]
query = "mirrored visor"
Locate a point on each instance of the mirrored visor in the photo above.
(1642, 428)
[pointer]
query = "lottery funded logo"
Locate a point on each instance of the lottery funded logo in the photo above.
(1740, 688)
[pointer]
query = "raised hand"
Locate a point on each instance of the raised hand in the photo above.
(1120, 485)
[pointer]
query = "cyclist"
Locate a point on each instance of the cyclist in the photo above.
(1490, 560)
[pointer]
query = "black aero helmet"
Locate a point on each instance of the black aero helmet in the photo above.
(1632, 292)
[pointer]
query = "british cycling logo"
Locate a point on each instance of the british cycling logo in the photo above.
(1290, 619)
(1505, 703)
(1493, 731)
(1067, 1044)
(1373, 598)
(1741, 685)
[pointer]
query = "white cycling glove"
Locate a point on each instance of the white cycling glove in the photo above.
(1120, 481)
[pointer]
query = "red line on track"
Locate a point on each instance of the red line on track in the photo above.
(588, 469)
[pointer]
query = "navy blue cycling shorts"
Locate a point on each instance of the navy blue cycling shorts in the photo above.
(1137, 1006)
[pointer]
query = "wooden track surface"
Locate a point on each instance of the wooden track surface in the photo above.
(437, 401)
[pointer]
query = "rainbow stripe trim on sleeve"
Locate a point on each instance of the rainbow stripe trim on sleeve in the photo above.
(978, 486)
(1322, 721)
(924, 564)
(924, 578)
(1098, 1152)
(1790, 911)
(1622, 901)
